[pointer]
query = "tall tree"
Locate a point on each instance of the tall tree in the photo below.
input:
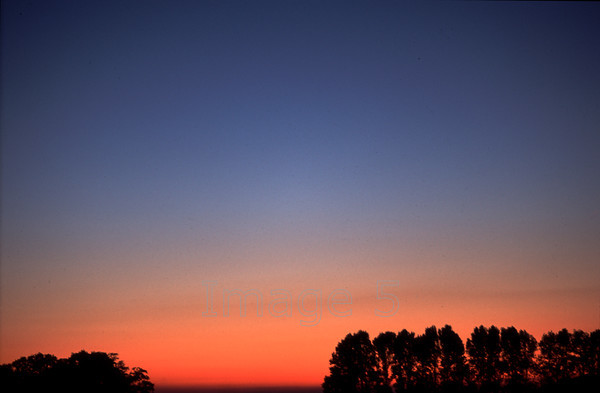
(595, 352)
(384, 345)
(518, 354)
(529, 347)
(484, 355)
(427, 351)
(554, 356)
(353, 366)
(403, 369)
(453, 364)
(579, 353)
(510, 342)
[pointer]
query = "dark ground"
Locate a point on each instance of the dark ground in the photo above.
(218, 389)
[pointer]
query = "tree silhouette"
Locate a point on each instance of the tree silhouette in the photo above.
(354, 366)
(497, 360)
(38, 364)
(453, 364)
(554, 356)
(518, 354)
(594, 357)
(384, 345)
(427, 354)
(31, 373)
(510, 341)
(579, 352)
(484, 356)
(95, 372)
(403, 370)
(527, 363)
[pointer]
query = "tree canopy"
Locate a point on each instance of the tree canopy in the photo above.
(95, 372)
(493, 360)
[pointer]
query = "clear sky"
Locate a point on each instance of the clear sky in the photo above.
(149, 147)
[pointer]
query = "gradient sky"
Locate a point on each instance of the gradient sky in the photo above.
(148, 147)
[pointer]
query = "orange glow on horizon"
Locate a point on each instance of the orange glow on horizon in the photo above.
(191, 349)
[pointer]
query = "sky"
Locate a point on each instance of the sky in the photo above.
(346, 165)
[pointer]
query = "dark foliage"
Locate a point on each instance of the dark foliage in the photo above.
(384, 345)
(453, 363)
(494, 360)
(95, 372)
(354, 366)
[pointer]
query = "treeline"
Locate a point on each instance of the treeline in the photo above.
(493, 360)
(95, 372)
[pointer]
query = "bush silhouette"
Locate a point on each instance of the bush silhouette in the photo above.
(95, 372)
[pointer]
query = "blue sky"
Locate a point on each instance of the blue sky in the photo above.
(355, 109)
